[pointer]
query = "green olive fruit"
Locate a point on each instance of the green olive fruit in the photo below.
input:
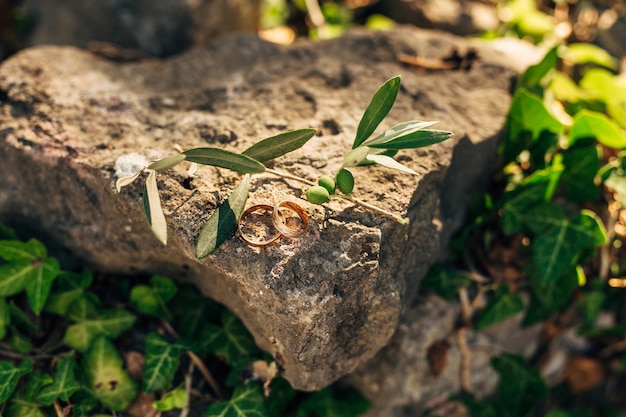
(345, 181)
(317, 194)
(327, 182)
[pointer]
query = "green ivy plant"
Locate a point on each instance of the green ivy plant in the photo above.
(366, 150)
(562, 157)
(61, 351)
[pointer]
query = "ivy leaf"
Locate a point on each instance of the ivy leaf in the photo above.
(502, 306)
(591, 304)
(64, 384)
(106, 379)
(68, 287)
(177, 398)
(162, 360)
(616, 181)
(192, 310)
(417, 139)
(10, 375)
(231, 340)
(445, 281)
(534, 74)
(583, 53)
(5, 318)
(527, 114)
(167, 162)
(377, 109)
(581, 166)
(328, 404)
(590, 124)
(225, 159)
(109, 323)
(519, 388)
(534, 190)
(281, 398)
(223, 220)
(555, 251)
(151, 300)
(389, 162)
(275, 146)
(247, 401)
(154, 211)
(28, 268)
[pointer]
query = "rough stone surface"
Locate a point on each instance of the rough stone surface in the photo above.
(322, 304)
(156, 27)
(399, 380)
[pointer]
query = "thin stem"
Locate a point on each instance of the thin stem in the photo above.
(399, 219)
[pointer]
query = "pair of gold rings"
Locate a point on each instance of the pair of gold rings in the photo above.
(283, 223)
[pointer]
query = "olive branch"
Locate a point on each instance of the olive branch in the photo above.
(366, 150)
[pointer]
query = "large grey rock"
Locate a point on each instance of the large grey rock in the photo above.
(321, 304)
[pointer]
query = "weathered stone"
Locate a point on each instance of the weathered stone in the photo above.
(401, 381)
(321, 304)
(156, 27)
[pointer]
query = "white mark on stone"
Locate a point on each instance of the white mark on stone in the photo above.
(128, 164)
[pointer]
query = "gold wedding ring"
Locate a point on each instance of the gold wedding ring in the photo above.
(279, 221)
(252, 241)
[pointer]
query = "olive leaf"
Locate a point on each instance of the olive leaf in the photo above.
(223, 220)
(124, 181)
(152, 206)
(398, 130)
(389, 162)
(417, 139)
(167, 162)
(377, 109)
(224, 159)
(275, 146)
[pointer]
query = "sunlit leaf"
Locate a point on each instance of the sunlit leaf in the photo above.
(39, 283)
(15, 251)
(528, 113)
(151, 299)
(105, 376)
(162, 359)
(501, 307)
(109, 323)
(377, 109)
(224, 159)
(589, 124)
(177, 398)
(64, 384)
(520, 387)
(155, 215)
(223, 221)
(167, 162)
(616, 182)
(389, 162)
(535, 74)
(417, 139)
(10, 376)
(275, 146)
(584, 53)
(247, 401)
